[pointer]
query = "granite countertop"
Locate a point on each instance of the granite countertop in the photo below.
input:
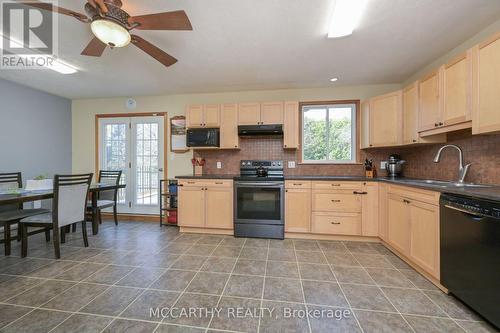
(489, 193)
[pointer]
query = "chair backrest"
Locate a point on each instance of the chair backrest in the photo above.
(109, 177)
(12, 180)
(70, 198)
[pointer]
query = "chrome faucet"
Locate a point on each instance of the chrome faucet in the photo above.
(462, 170)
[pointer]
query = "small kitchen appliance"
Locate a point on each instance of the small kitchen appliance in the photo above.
(259, 200)
(395, 166)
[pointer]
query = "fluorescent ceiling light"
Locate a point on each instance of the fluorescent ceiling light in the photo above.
(345, 17)
(335, 79)
(110, 33)
(50, 62)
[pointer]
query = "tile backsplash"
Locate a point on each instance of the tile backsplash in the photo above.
(482, 151)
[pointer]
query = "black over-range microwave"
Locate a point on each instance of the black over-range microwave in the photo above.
(203, 137)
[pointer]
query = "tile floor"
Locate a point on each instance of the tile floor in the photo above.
(111, 286)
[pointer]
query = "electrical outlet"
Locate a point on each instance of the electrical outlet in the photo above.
(383, 165)
(219, 165)
(291, 164)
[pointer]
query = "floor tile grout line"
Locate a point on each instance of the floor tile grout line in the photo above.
(340, 286)
(382, 291)
(225, 285)
(302, 286)
(263, 286)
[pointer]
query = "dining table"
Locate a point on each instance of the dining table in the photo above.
(19, 196)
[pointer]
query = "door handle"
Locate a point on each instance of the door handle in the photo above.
(160, 169)
(476, 217)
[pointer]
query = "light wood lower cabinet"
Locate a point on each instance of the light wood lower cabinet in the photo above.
(369, 210)
(398, 223)
(382, 210)
(298, 209)
(206, 204)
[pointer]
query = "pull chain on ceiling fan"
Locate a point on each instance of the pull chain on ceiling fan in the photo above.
(111, 26)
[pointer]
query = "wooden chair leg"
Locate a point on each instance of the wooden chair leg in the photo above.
(115, 215)
(6, 238)
(73, 227)
(47, 235)
(18, 232)
(99, 215)
(95, 224)
(24, 241)
(63, 235)
(57, 249)
(84, 232)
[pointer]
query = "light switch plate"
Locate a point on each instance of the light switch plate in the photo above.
(291, 164)
(383, 165)
(219, 165)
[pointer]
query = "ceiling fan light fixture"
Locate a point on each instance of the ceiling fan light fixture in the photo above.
(110, 33)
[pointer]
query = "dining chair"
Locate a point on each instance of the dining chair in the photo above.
(68, 207)
(10, 215)
(108, 198)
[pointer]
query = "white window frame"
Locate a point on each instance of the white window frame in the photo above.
(354, 133)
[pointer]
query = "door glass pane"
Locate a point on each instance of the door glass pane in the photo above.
(115, 152)
(258, 203)
(147, 162)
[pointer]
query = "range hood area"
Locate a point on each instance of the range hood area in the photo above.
(259, 130)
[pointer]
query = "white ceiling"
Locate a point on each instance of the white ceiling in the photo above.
(263, 44)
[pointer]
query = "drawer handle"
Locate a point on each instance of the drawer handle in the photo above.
(297, 184)
(335, 222)
(190, 182)
(219, 183)
(335, 184)
(406, 201)
(356, 192)
(335, 200)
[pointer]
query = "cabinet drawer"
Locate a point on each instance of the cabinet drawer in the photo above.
(326, 185)
(206, 182)
(336, 224)
(297, 184)
(344, 201)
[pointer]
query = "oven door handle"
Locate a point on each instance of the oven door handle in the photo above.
(259, 184)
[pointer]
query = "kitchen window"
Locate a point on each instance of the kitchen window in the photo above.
(329, 133)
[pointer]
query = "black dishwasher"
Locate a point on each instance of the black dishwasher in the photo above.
(470, 253)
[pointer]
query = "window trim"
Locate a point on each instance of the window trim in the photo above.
(356, 146)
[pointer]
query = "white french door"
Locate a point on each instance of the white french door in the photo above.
(134, 145)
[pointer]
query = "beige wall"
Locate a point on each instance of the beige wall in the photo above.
(84, 111)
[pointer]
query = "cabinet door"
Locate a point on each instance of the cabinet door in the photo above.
(249, 114)
(398, 223)
(386, 125)
(272, 113)
(410, 114)
(486, 78)
(382, 213)
(424, 236)
(429, 108)
(369, 204)
(194, 116)
(298, 210)
(219, 208)
(229, 126)
(457, 85)
(365, 125)
(211, 115)
(191, 206)
(291, 125)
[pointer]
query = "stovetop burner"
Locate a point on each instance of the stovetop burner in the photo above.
(261, 171)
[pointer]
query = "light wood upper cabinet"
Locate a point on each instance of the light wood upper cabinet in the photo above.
(398, 223)
(271, 113)
(229, 126)
(424, 236)
(194, 116)
(370, 204)
(429, 113)
(386, 127)
(457, 85)
(298, 210)
(191, 206)
(219, 207)
(249, 114)
(211, 113)
(486, 86)
(291, 125)
(198, 116)
(410, 114)
(365, 124)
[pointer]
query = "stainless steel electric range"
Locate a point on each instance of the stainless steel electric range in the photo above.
(259, 200)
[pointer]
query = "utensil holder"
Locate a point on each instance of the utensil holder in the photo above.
(198, 170)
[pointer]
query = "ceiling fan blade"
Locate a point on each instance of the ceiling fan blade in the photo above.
(165, 58)
(55, 9)
(95, 48)
(177, 20)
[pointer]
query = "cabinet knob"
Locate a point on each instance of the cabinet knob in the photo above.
(441, 124)
(414, 140)
(235, 146)
(435, 124)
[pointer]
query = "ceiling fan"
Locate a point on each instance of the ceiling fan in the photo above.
(111, 26)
